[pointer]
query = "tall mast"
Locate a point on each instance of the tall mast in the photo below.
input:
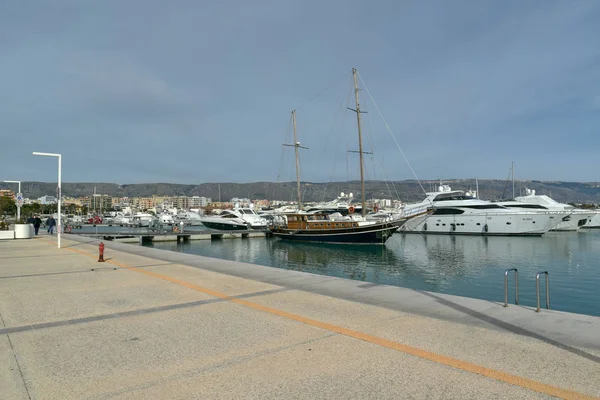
(513, 178)
(360, 149)
(297, 162)
(296, 146)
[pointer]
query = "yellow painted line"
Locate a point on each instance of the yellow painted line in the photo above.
(414, 351)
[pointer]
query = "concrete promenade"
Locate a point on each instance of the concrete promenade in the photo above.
(152, 324)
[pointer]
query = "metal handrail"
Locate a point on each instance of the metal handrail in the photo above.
(537, 290)
(506, 286)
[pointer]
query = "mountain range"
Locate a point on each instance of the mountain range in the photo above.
(408, 190)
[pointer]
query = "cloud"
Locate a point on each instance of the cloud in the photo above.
(194, 92)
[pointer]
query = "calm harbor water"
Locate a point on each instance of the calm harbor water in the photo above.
(461, 265)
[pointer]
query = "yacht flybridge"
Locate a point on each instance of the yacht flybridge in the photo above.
(572, 220)
(460, 213)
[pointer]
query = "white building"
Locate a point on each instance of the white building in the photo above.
(198, 201)
(48, 200)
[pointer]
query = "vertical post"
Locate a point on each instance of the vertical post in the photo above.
(296, 144)
(360, 150)
(18, 205)
(516, 287)
(59, 226)
(537, 290)
(547, 291)
(506, 286)
(18, 193)
(59, 197)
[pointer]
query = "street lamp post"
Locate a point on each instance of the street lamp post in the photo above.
(59, 225)
(18, 205)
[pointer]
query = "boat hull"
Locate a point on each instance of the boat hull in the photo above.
(491, 224)
(370, 234)
(593, 222)
(573, 222)
(224, 226)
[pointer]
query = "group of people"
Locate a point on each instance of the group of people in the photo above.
(36, 221)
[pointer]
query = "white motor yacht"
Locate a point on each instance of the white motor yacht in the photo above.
(459, 213)
(573, 219)
(188, 218)
(226, 220)
(251, 217)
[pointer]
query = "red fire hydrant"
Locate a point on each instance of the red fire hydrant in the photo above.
(101, 252)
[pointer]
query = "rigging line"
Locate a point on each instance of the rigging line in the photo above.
(344, 105)
(375, 159)
(337, 116)
(391, 134)
(382, 164)
(281, 164)
(321, 93)
(325, 149)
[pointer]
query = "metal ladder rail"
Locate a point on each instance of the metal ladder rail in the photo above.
(506, 286)
(537, 290)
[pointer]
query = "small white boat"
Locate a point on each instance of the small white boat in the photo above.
(166, 219)
(188, 218)
(141, 219)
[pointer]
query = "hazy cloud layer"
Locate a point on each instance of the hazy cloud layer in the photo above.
(189, 92)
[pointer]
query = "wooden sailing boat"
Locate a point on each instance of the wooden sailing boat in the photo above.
(318, 227)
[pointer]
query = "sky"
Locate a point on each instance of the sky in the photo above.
(194, 91)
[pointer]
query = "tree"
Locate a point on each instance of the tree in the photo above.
(7, 206)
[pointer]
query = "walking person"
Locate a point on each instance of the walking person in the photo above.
(51, 222)
(37, 221)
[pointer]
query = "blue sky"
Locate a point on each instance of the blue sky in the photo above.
(194, 91)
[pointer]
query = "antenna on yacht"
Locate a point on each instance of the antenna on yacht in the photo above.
(360, 149)
(477, 187)
(296, 146)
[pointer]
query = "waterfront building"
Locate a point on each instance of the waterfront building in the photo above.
(7, 193)
(199, 201)
(97, 202)
(142, 203)
(45, 200)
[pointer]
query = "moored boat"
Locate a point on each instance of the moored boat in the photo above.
(461, 213)
(324, 227)
(226, 220)
(572, 219)
(319, 228)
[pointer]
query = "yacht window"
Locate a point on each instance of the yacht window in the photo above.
(452, 196)
(484, 206)
(447, 211)
(524, 205)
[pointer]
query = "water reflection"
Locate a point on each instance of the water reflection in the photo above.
(462, 265)
(349, 261)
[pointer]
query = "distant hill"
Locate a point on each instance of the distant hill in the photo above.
(409, 190)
